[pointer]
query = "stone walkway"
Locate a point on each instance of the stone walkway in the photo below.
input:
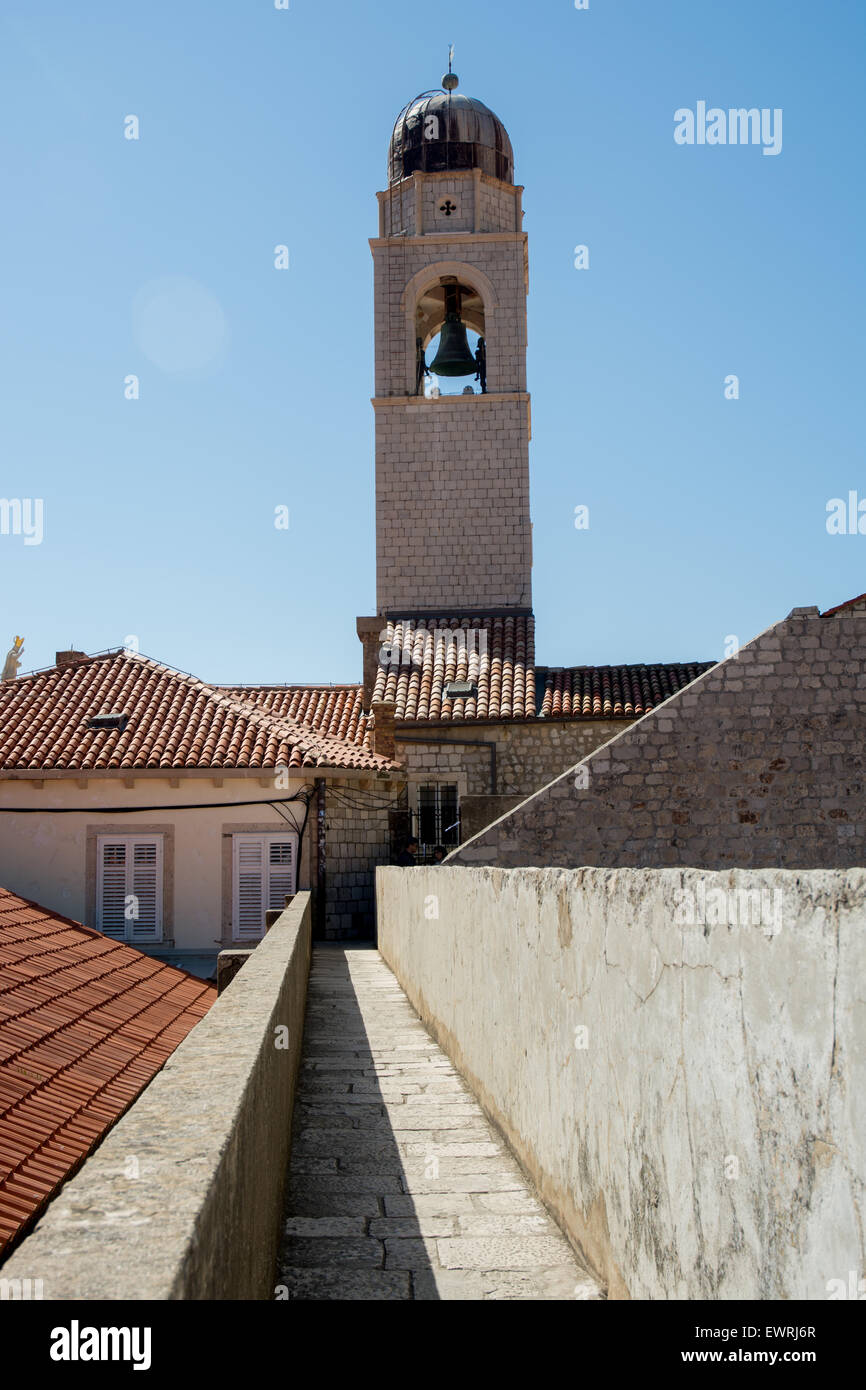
(399, 1188)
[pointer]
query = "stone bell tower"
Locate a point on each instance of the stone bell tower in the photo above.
(453, 532)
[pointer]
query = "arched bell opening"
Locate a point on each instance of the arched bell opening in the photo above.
(450, 340)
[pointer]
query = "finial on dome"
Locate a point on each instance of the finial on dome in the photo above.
(450, 81)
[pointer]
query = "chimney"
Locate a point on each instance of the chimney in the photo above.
(69, 658)
(370, 632)
(383, 728)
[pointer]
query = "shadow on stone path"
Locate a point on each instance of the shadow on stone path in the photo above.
(399, 1188)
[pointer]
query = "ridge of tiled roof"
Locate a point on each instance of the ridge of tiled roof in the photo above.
(85, 1023)
(174, 721)
(840, 607)
(497, 655)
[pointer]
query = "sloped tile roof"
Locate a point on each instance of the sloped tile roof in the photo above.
(174, 721)
(498, 656)
(336, 710)
(85, 1023)
(612, 692)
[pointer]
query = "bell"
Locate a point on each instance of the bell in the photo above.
(455, 357)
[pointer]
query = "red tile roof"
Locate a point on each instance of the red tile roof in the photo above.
(498, 656)
(174, 721)
(336, 710)
(612, 692)
(840, 607)
(85, 1023)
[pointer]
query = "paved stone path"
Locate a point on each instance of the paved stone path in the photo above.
(399, 1188)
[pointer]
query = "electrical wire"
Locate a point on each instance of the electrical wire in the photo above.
(129, 810)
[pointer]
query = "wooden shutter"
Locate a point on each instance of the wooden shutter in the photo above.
(264, 875)
(129, 881)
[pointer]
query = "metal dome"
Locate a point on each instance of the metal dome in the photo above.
(465, 134)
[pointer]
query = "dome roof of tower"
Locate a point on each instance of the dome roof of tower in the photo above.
(446, 130)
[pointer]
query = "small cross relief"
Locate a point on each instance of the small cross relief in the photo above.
(448, 207)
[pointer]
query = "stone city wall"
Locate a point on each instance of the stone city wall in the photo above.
(758, 763)
(183, 1198)
(678, 1067)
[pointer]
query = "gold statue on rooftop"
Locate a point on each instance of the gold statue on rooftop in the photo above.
(10, 670)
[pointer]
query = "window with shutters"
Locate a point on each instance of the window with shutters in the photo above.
(263, 876)
(129, 887)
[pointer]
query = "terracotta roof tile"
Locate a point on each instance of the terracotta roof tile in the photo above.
(86, 1024)
(335, 710)
(497, 656)
(174, 721)
(612, 692)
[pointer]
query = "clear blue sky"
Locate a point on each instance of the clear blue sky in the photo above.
(260, 127)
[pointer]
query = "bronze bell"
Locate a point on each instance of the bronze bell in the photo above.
(455, 357)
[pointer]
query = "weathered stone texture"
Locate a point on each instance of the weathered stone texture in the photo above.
(356, 840)
(423, 1200)
(760, 762)
(452, 505)
(686, 1088)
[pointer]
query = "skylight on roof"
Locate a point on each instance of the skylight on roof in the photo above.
(108, 721)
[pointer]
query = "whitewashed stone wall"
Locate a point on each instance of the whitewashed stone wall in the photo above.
(688, 1096)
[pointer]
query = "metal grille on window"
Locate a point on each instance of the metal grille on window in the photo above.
(438, 818)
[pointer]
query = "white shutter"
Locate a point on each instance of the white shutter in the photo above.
(145, 874)
(281, 872)
(129, 887)
(111, 890)
(264, 875)
(249, 896)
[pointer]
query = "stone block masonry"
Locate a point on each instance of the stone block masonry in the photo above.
(357, 825)
(452, 504)
(357, 839)
(758, 763)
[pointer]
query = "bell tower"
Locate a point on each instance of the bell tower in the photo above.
(453, 533)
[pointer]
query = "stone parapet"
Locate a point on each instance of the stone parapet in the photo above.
(183, 1198)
